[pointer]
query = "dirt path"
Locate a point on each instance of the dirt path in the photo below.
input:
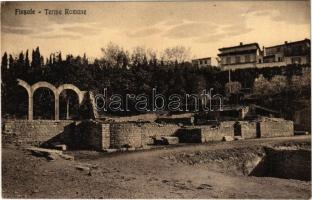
(146, 174)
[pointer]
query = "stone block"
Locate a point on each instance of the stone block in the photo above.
(228, 138)
(67, 157)
(149, 141)
(131, 149)
(110, 150)
(62, 147)
(238, 137)
(82, 168)
(170, 140)
(49, 154)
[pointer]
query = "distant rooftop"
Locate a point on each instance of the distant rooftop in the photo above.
(290, 43)
(202, 58)
(239, 46)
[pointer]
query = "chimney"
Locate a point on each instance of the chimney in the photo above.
(286, 42)
(241, 44)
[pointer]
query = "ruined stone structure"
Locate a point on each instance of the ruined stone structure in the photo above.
(103, 135)
(56, 91)
(206, 133)
(275, 127)
(36, 131)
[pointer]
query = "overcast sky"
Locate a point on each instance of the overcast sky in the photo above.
(203, 26)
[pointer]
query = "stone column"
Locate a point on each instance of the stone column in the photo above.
(30, 107)
(56, 107)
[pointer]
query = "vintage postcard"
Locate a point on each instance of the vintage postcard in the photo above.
(156, 100)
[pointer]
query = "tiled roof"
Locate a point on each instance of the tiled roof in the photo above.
(239, 46)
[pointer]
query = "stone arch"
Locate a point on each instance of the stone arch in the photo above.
(79, 93)
(56, 91)
(30, 97)
(27, 87)
(24, 85)
(43, 84)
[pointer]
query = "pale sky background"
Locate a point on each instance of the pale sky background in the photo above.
(202, 26)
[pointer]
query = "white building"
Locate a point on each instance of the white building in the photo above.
(205, 62)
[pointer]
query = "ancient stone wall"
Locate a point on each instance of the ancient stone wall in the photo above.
(125, 135)
(302, 119)
(248, 129)
(190, 135)
(216, 133)
(93, 134)
(37, 131)
(101, 135)
(153, 130)
(105, 142)
(275, 127)
(137, 134)
(184, 120)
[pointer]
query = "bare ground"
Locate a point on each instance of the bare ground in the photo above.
(215, 170)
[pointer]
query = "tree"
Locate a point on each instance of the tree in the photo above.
(278, 84)
(27, 64)
(177, 53)
(36, 58)
(138, 55)
(4, 61)
(233, 87)
(11, 62)
(115, 56)
(261, 85)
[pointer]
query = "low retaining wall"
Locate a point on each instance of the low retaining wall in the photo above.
(37, 131)
(190, 135)
(248, 129)
(85, 134)
(201, 134)
(93, 134)
(275, 127)
(210, 133)
(268, 127)
(99, 135)
(138, 134)
(125, 135)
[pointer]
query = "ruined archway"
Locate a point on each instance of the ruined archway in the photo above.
(43, 103)
(55, 91)
(68, 104)
(30, 99)
(43, 84)
(73, 88)
(20, 96)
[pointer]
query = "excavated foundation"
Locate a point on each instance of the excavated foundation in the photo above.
(284, 163)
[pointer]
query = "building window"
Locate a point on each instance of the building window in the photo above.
(280, 59)
(296, 60)
(228, 60)
(278, 49)
(247, 58)
(237, 59)
(206, 62)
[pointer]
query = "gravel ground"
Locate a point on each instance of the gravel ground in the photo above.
(172, 172)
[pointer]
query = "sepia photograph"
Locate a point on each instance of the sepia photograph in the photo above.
(156, 99)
